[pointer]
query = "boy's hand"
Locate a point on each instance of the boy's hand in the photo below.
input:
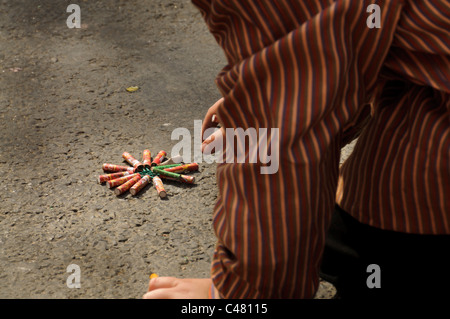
(211, 120)
(175, 288)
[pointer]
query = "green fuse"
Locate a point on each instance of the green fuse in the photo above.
(166, 166)
(148, 172)
(174, 176)
(165, 173)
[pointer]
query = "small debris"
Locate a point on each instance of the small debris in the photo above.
(133, 88)
(15, 69)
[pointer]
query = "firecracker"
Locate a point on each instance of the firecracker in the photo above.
(135, 178)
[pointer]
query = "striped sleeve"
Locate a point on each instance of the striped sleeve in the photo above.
(398, 177)
(420, 51)
(308, 69)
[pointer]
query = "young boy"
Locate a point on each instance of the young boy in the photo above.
(311, 69)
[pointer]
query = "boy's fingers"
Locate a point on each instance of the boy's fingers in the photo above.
(159, 294)
(174, 288)
(208, 123)
(207, 142)
(207, 148)
(211, 119)
(161, 282)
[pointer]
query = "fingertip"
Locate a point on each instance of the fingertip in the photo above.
(203, 147)
(162, 282)
(153, 281)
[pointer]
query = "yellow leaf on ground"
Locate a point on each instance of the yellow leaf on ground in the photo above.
(133, 88)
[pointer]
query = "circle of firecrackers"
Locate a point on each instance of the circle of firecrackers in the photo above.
(135, 178)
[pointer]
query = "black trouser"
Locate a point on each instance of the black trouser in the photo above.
(410, 265)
